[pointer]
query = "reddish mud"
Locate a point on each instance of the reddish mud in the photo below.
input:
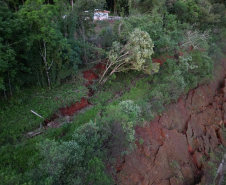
(74, 107)
(157, 60)
(100, 68)
(161, 59)
(177, 144)
(90, 76)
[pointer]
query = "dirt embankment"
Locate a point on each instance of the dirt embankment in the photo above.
(90, 76)
(65, 112)
(175, 148)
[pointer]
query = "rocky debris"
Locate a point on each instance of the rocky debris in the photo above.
(178, 145)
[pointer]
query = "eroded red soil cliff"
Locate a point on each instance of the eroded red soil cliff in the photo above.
(178, 143)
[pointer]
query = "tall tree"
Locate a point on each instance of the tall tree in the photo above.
(45, 34)
(118, 7)
(12, 36)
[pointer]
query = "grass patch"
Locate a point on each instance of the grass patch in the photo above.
(15, 115)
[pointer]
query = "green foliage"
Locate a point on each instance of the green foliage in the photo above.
(141, 141)
(78, 161)
(130, 108)
(204, 65)
(10, 177)
(165, 31)
(120, 7)
(179, 77)
(97, 175)
(201, 13)
(55, 52)
(119, 121)
(77, 153)
(135, 55)
(43, 102)
(106, 37)
(145, 6)
(195, 40)
(47, 42)
(169, 89)
(11, 54)
(54, 156)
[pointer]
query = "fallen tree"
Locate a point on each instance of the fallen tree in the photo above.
(134, 55)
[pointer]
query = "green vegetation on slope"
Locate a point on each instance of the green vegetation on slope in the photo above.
(37, 44)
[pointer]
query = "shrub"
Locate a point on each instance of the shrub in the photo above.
(55, 156)
(78, 161)
(170, 88)
(179, 76)
(120, 121)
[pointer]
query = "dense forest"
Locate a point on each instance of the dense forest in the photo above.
(158, 51)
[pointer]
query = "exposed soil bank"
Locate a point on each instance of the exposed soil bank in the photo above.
(66, 112)
(90, 76)
(74, 107)
(177, 144)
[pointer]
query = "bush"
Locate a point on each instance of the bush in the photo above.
(165, 31)
(78, 161)
(120, 121)
(169, 89)
(179, 76)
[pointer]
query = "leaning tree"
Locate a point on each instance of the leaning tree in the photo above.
(134, 55)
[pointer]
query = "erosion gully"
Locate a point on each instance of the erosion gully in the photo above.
(177, 144)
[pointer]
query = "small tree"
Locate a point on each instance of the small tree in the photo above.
(136, 55)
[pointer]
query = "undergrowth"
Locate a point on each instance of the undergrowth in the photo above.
(16, 117)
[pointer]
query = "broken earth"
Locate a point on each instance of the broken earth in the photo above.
(180, 145)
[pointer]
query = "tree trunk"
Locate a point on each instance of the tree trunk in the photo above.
(72, 3)
(44, 57)
(115, 4)
(82, 30)
(15, 7)
(10, 88)
(5, 94)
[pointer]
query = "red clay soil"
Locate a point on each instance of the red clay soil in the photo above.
(161, 59)
(90, 76)
(74, 107)
(177, 144)
(157, 60)
(100, 68)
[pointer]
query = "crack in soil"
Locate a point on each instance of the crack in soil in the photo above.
(68, 112)
(203, 133)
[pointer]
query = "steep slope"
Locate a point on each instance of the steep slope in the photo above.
(179, 145)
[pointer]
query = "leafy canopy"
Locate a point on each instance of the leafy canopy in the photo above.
(135, 55)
